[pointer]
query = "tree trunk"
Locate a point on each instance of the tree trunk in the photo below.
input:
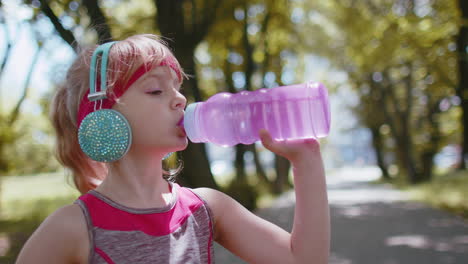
(282, 166)
(16, 110)
(408, 160)
(403, 144)
(377, 142)
(239, 162)
(427, 160)
(98, 21)
(249, 49)
(462, 91)
(197, 172)
(427, 156)
(241, 189)
(7, 51)
(399, 123)
(261, 174)
(65, 34)
(171, 21)
(404, 148)
(3, 143)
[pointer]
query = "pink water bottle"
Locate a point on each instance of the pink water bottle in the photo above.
(287, 112)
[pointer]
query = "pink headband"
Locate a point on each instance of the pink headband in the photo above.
(87, 106)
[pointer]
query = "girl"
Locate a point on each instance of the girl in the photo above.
(129, 211)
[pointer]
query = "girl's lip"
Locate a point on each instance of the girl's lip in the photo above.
(180, 125)
(182, 132)
(181, 122)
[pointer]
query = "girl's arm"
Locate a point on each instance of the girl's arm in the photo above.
(258, 241)
(61, 238)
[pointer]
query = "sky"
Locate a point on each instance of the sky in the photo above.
(23, 37)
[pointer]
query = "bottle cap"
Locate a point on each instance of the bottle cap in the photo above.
(191, 123)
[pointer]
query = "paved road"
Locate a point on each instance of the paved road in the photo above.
(375, 224)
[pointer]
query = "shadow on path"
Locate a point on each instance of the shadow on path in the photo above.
(373, 224)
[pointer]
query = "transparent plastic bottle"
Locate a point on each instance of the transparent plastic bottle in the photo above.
(287, 112)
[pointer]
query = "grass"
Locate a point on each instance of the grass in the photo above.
(25, 202)
(22, 195)
(447, 191)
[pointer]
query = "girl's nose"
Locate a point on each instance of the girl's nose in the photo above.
(180, 101)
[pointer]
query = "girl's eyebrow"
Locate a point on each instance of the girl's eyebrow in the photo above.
(153, 75)
(159, 75)
(177, 84)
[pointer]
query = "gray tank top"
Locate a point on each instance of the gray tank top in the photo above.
(181, 232)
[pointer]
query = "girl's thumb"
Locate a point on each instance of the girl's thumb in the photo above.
(267, 141)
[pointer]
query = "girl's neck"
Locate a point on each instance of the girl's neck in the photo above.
(137, 182)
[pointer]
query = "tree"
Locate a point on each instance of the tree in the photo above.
(462, 89)
(184, 22)
(187, 23)
(249, 48)
(10, 131)
(393, 52)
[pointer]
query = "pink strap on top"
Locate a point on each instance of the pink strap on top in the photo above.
(108, 215)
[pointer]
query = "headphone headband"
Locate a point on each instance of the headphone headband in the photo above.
(104, 50)
(94, 100)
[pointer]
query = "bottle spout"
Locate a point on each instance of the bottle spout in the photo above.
(191, 123)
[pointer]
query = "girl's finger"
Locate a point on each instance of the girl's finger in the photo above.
(267, 141)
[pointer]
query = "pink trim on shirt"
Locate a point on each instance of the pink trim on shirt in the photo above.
(104, 255)
(156, 224)
(210, 242)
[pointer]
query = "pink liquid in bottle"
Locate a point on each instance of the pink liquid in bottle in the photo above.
(287, 112)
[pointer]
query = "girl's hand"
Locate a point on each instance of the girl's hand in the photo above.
(295, 151)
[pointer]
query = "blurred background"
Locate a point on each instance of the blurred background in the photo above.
(396, 72)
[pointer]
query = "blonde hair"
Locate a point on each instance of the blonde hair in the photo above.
(124, 59)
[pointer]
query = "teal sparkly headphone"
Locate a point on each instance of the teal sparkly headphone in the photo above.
(104, 135)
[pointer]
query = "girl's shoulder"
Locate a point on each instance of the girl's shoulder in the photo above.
(218, 202)
(67, 219)
(65, 230)
(212, 197)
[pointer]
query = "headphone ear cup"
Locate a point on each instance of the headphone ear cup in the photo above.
(105, 135)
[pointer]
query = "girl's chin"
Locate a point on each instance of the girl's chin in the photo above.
(182, 145)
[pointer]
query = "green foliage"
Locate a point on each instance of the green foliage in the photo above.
(25, 202)
(401, 61)
(28, 146)
(7, 137)
(399, 55)
(128, 18)
(16, 228)
(14, 233)
(20, 194)
(244, 193)
(251, 31)
(447, 192)
(249, 47)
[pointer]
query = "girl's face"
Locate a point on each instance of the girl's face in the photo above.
(154, 107)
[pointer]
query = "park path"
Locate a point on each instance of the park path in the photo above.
(376, 224)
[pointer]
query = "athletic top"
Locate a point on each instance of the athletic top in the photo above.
(181, 232)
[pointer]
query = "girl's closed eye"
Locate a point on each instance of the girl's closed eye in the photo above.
(155, 92)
